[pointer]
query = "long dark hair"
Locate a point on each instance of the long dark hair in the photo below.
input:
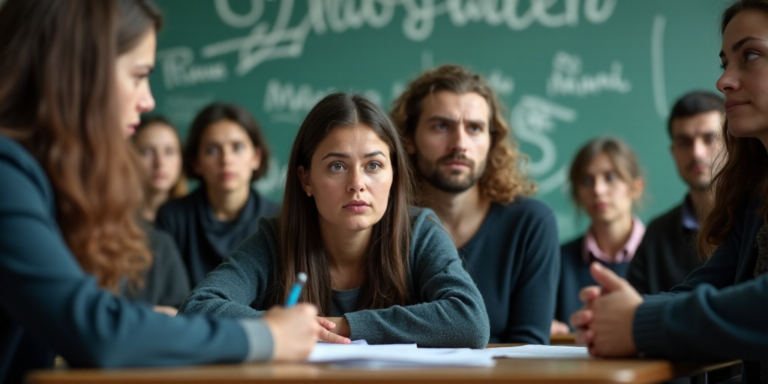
(301, 245)
(214, 113)
(58, 99)
(744, 171)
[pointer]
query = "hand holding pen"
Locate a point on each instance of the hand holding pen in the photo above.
(328, 325)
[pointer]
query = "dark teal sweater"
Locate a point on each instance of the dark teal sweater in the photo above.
(515, 260)
(446, 309)
(720, 312)
(49, 305)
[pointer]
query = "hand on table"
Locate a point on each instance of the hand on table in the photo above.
(559, 328)
(336, 329)
(165, 310)
(605, 322)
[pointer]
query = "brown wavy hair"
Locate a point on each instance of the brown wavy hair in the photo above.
(301, 245)
(744, 171)
(503, 179)
(58, 99)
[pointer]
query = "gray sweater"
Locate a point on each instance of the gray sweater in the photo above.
(446, 309)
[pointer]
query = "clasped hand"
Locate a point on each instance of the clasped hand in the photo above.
(604, 324)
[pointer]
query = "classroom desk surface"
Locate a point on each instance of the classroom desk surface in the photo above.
(506, 371)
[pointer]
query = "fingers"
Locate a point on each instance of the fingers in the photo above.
(606, 278)
(330, 337)
(589, 294)
(581, 318)
(325, 323)
(305, 308)
(585, 337)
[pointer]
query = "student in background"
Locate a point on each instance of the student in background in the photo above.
(718, 312)
(226, 151)
(668, 251)
(159, 147)
(606, 182)
(467, 167)
(376, 271)
(73, 82)
(166, 283)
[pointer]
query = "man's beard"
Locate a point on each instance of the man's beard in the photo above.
(700, 186)
(447, 181)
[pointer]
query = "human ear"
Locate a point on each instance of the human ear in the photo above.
(637, 188)
(304, 180)
(409, 146)
(256, 161)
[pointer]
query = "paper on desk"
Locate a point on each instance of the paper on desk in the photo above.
(389, 355)
(540, 352)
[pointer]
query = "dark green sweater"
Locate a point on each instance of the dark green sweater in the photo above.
(49, 305)
(666, 256)
(720, 310)
(446, 309)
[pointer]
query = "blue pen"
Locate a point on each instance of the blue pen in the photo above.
(293, 297)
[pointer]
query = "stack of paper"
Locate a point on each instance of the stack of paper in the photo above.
(360, 353)
(540, 352)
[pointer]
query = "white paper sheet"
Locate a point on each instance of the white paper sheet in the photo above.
(540, 352)
(360, 354)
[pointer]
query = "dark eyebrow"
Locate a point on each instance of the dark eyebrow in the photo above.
(452, 120)
(374, 154)
(736, 46)
(149, 67)
(336, 154)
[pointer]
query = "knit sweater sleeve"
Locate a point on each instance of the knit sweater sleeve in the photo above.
(670, 325)
(44, 290)
(239, 284)
(448, 309)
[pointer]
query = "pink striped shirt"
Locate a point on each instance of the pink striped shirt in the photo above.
(593, 252)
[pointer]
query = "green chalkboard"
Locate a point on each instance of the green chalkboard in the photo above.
(567, 70)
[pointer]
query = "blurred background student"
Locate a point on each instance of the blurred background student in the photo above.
(668, 252)
(166, 283)
(606, 182)
(73, 83)
(159, 147)
(227, 153)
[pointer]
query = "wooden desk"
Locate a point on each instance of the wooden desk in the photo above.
(568, 339)
(506, 371)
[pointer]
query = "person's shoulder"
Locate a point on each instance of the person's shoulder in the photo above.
(14, 155)
(523, 209)
(269, 231)
(181, 206)
(17, 164)
(423, 219)
(663, 222)
(572, 249)
(266, 207)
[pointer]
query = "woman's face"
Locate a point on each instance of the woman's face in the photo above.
(350, 178)
(132, 72)
(160, 153)
(744, 81)
(604, 195)
(226, 157)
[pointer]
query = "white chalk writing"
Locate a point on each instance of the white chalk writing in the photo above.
(567, 78)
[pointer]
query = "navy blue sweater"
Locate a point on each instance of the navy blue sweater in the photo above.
(203, 240)
(720, 312)
(514, 259)
(49, 305)
(574, 275)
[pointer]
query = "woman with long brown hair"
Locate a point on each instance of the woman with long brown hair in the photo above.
(375, 270)
(716, 313)
(73, 82)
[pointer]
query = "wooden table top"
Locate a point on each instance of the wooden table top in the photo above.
(506, 371)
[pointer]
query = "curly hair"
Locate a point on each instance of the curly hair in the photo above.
(503, 179)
